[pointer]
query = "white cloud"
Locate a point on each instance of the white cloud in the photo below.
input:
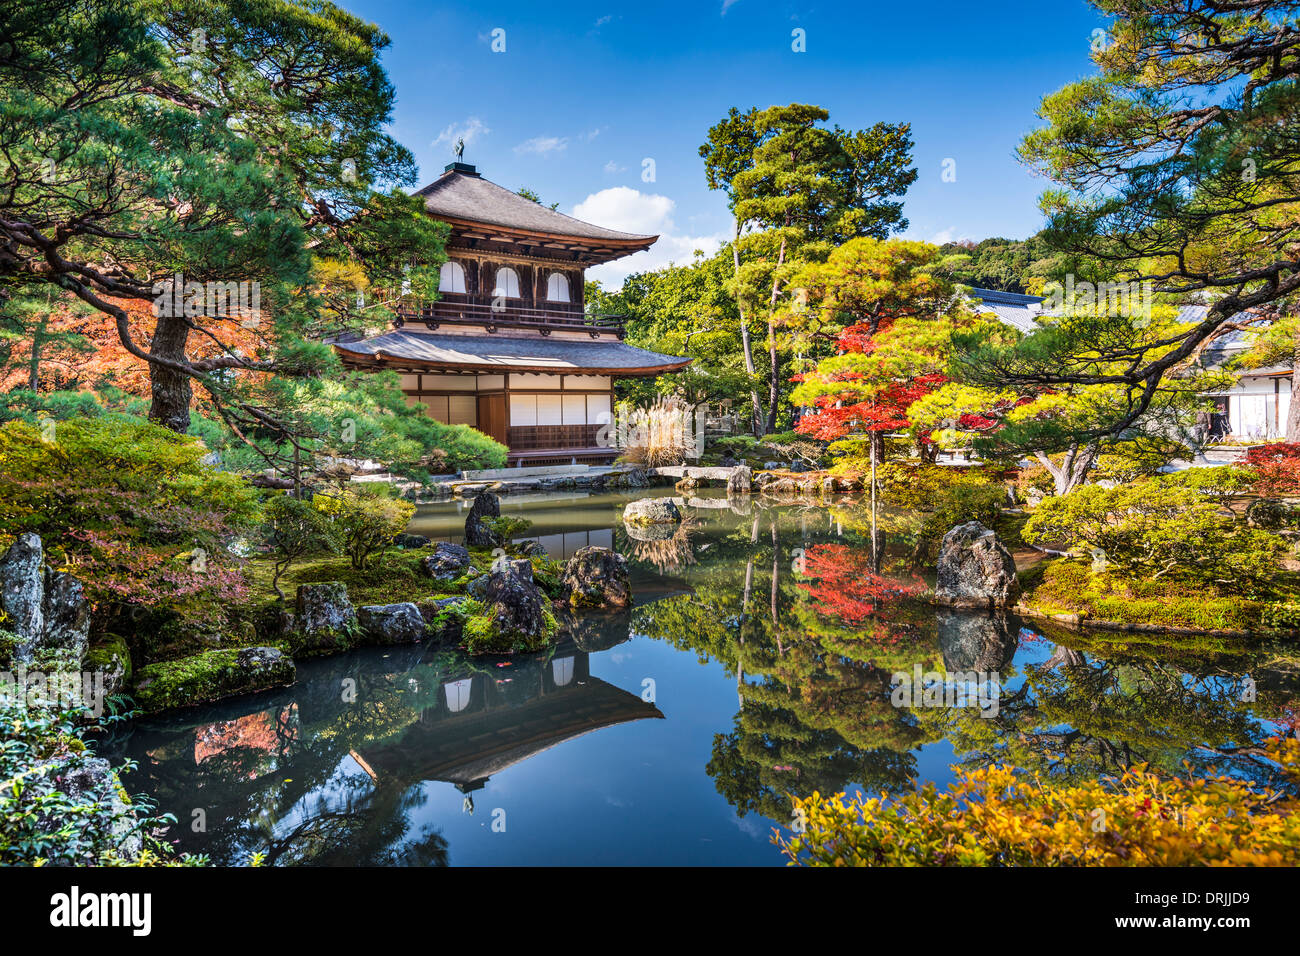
(543, 145)
(727, 4)
(470, 130)
(951, 234)
(601, 21)
(612, 167)
(630, 210)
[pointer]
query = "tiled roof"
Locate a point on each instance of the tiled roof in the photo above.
(459, 195)
(1010, 307)
(497, 352)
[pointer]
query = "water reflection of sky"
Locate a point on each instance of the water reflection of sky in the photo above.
(629, 743)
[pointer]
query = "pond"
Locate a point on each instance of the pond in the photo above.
(757, 663)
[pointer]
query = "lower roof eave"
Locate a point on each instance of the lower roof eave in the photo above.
(396, 364)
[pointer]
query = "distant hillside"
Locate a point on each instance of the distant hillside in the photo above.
(1007, 265)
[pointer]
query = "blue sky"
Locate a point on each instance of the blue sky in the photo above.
(585, 92)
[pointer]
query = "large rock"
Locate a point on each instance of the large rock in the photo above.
(212, 675)
(324, 620)
(324, 607)
(391, 623)
(22, 594)
(448, 561)
(741, 481)
(515, 617)
(91, 781)
(646, 511)
(44, 609)
(597, 577)
(477, 534)
(67, 619)
(975, 570)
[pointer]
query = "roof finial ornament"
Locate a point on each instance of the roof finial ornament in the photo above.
(460, 149)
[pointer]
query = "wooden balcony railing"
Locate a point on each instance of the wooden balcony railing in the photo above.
(481, 310)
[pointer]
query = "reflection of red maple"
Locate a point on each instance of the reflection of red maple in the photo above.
(845, 586)
(259, 731)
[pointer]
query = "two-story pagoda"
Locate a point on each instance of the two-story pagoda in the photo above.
(508, 347)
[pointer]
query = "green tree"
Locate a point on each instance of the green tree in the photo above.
(220, 140)
(796, 190)
(1177, 164)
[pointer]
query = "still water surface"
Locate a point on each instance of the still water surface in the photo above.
(756, 664)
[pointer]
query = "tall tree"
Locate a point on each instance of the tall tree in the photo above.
(212, 140)
(797, 189)
(890, 309)
(1178, 164)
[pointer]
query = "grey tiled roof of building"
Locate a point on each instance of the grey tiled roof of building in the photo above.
(487, 352)
(469, 196)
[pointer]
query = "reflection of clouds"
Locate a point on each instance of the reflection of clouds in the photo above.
(751, 826)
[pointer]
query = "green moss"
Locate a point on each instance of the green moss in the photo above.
(393, 576)
(205, 677)
(482, 635)
(110, 656)
(1065, 586)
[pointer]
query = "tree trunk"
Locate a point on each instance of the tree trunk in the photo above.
(774, 384)
(1293, 408)
(756, 419)
(170, 390)
(1073, 469)
(34, 367)
(774, 358)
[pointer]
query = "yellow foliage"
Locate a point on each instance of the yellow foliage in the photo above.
(998, 817)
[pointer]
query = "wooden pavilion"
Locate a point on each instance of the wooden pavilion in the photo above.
(509, 347)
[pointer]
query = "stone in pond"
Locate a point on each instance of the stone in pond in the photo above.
(399, 623)
(478, 534)
(597, 577)
(647, 511)
(975, 570)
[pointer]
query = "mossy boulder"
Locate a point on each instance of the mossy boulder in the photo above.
(112, 658)
(448, 562)
(210, 676)
(597, 577)
(652, 511)
(324, 621)
(391, 623)
(515, 616)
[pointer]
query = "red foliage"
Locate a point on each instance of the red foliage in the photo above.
(887, 413)
(1276, 467)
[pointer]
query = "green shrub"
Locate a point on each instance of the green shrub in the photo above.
(919, 485)
(41, 824)
(295, 528)
(956, 505)
(130, 504)
(1163, 528)
(365, 519)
